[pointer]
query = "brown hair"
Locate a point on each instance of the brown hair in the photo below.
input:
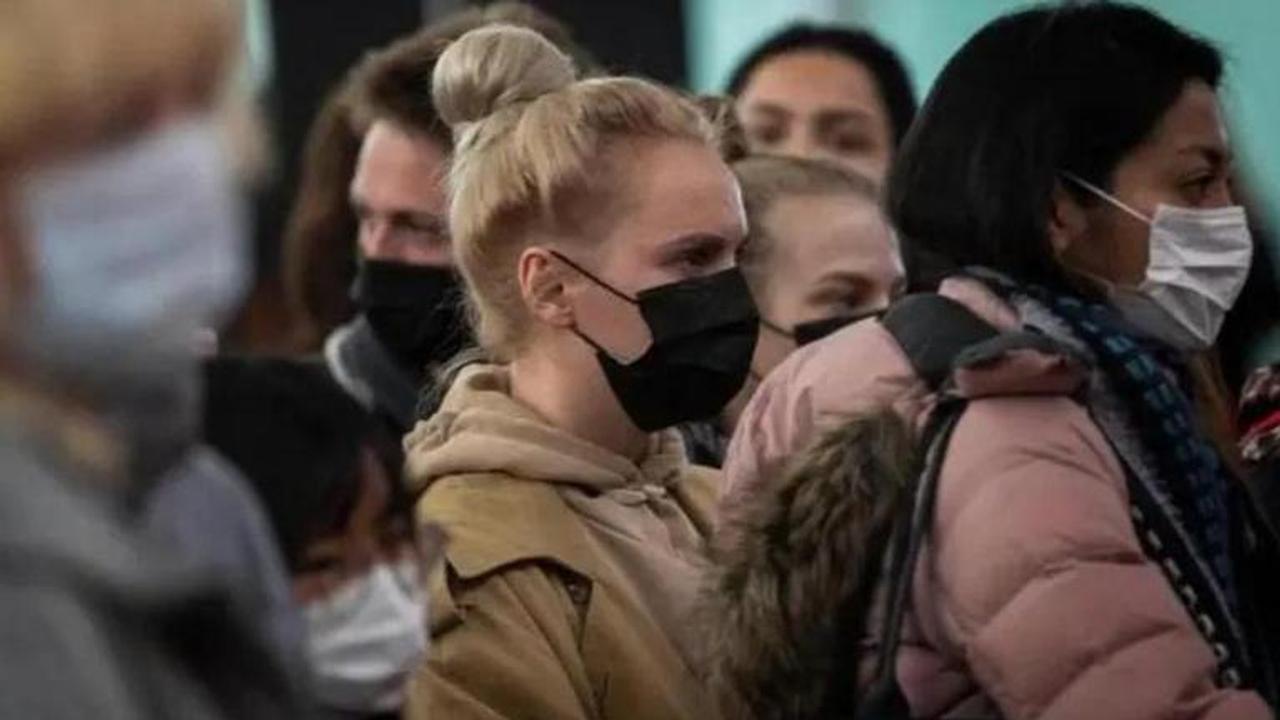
(392, 83)
(765, 179)
(720, 111)
(1215, 409)
(530, 140)
(319, 258)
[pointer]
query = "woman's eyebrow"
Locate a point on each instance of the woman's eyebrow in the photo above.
(835, 117)
(764, 107)
(1217, 155)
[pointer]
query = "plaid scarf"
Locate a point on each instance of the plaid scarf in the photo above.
(1187, 466)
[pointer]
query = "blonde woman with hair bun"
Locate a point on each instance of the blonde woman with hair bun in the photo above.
(596, 228)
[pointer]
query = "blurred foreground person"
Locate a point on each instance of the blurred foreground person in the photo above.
(819, 255)
(596, 228)
(331, 485)
(827, 93)
(1084, 550)
(120, 238)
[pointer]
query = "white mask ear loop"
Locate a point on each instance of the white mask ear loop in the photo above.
(1105, 196)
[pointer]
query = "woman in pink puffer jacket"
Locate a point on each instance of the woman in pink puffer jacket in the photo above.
(1090, 554)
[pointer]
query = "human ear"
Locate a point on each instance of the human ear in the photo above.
(1067, 222)
(543, 287)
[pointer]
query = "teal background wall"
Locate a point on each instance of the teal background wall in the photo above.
(928, 32)
(719, 32)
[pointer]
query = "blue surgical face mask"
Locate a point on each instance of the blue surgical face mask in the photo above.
(141, 242)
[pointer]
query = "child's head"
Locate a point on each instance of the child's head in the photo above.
(326, 472)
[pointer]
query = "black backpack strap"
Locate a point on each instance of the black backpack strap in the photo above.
(935, 333)
(884, 699)
(932, 331)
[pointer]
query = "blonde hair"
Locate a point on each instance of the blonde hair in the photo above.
(75, 72)
(530, 141)
(720, 110)
(766, 179)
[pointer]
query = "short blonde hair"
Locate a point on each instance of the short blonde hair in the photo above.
(530, 140)
(766, 179)
(74, 72)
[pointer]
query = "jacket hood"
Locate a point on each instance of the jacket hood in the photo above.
(481, 429)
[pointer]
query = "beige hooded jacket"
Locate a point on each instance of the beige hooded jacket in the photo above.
(570, 574)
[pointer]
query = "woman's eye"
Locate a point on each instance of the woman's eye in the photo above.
(701, 256)
(850, 144)
(1196, 189)
(767, 135)
(851, 302)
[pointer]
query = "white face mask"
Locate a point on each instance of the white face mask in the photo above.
(367, 637)
(143, 241)
(1198, 263)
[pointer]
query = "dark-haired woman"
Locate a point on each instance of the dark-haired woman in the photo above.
(826, 93)
(1090, 553)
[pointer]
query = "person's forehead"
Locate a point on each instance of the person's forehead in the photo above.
(827, 213)
(811, 78)
(675, 183)
(394, 166)
(838, 229)
(1193, 125)
(388, 151)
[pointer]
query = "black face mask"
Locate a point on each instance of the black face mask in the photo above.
(814, 330)
(414, 310)
(704, 333)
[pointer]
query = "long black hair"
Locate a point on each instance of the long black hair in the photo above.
(1064, 88)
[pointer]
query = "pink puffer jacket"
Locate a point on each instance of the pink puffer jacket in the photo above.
(1033, 598)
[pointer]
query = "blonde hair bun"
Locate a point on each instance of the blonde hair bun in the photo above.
(496, 67)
